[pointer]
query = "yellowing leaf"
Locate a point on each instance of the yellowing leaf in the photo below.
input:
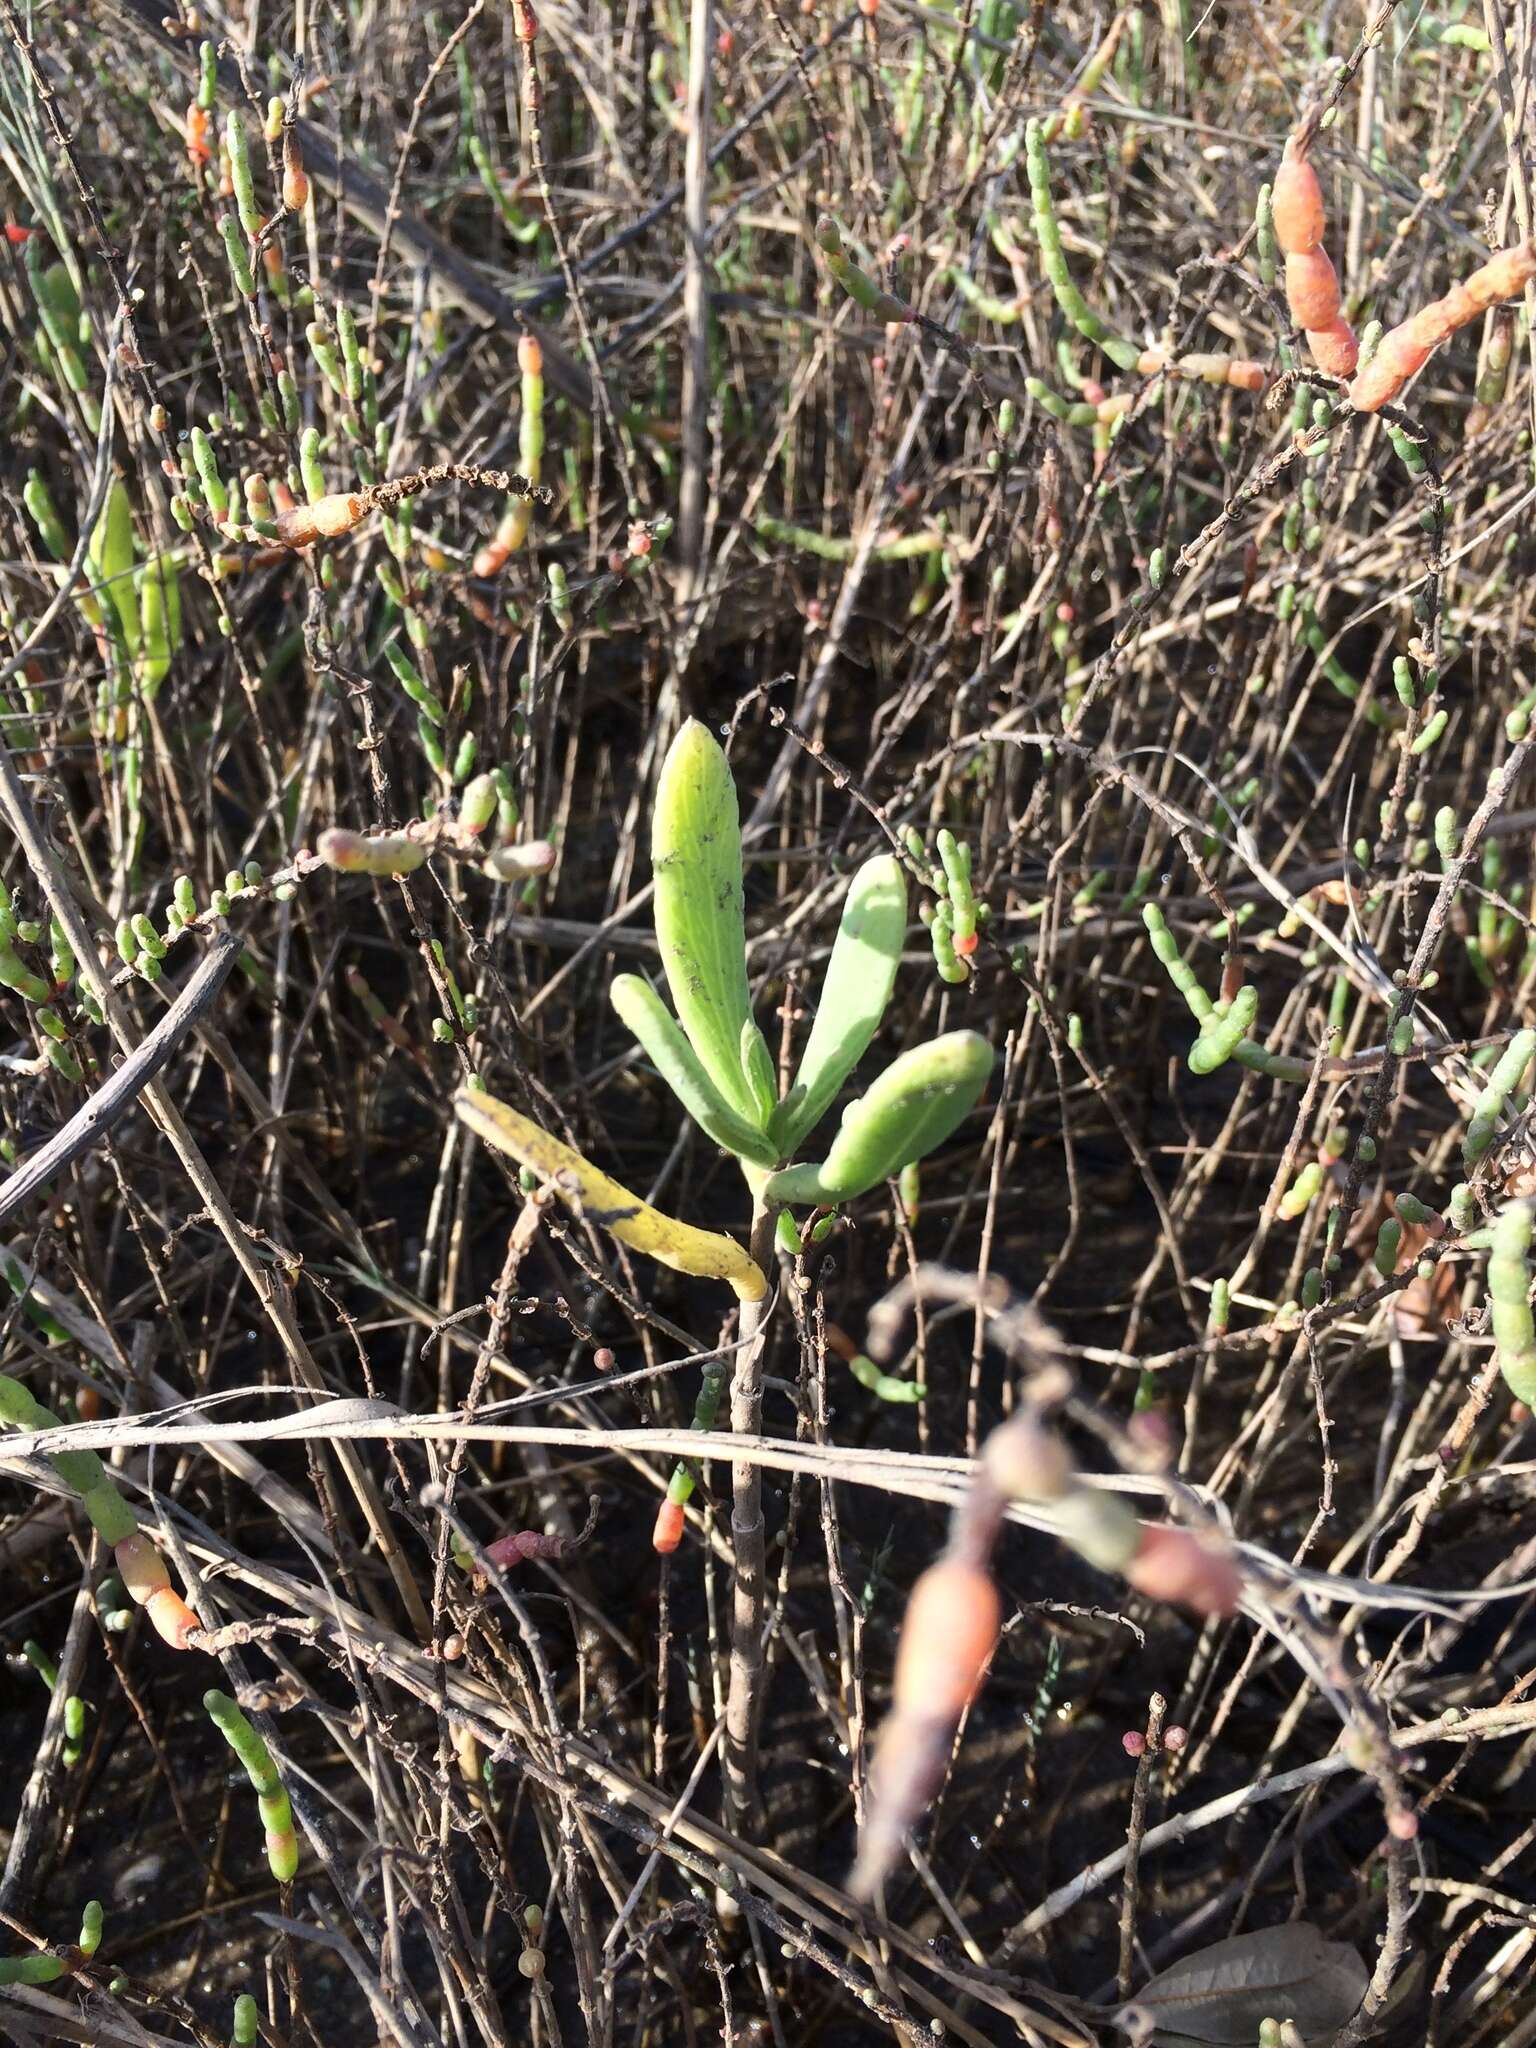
(707, 1253)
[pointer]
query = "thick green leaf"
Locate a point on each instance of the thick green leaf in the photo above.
(159, 596)
(759, 1072)
(913, 1106)
(696, 855)
(854, 993)
(56, 288)
(668, 1050)
(110, 555)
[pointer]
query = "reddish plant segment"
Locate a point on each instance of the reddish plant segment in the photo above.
(199, 150)
(1407, 347)
(295, 179)
(324, 520)
(1180, 1566)
(1235, 371)
(147, 1578)
(1334, 348)
(667, 1533)
(953, 1620)
(1311, 284)
(519, 1545)
(948, 1635)
(1297, 206)
(1312, 289)
(171, 1618)
(947, 1639)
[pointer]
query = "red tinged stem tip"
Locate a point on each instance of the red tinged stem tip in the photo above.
(1179, 1565)
(668, 1532)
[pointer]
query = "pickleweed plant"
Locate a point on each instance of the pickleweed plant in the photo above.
(140, 1564)
(271, 1798)
(45, 1966)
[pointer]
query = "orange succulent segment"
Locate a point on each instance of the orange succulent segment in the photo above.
(198, 151)
(509, 536)
(950, 1630)
(1404, 352)
(1334, 348)
(295, 180)
(141, 1568)
(1440, 319)
(148, 1581)
(1399, 357)
(1311, 289)
(1297, 203)
(668, 1531)
(948, 1636)
(323, 520)
(171, 1617)
(1503, 276)
(1177, 1564)
(1237, 371)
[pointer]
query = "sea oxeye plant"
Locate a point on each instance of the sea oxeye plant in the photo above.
(709, 1050)
(714, 1057)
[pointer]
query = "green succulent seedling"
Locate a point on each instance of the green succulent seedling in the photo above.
(716, 1061)
(712, 1054)
(714, 1057)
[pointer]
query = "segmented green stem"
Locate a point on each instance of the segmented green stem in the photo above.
(1053, 258)
(1490, 1105)
(271, 1798)
(1509, 1285)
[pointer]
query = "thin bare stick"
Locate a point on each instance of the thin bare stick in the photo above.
(117, 1095)
(743, 1705)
